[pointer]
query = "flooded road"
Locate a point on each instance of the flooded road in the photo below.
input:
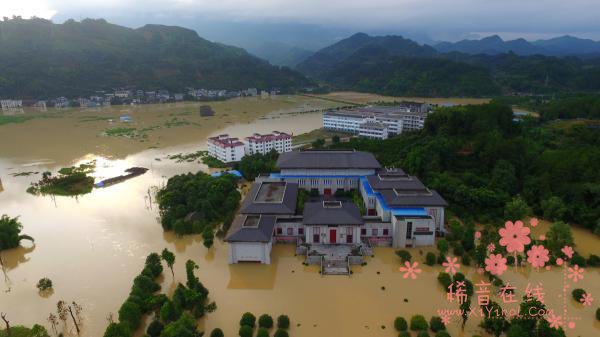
(92, 247)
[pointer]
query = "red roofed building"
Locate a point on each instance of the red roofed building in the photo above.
(278, 141)
(225, 148)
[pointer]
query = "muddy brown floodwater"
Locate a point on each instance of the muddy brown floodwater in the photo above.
(92, 247)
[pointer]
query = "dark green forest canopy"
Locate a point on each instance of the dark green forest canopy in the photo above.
(40, 59)
(213, 199)
(396, 66)
(478, 159)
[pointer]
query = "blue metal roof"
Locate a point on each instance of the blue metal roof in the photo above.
(232, 172)
(409, 211)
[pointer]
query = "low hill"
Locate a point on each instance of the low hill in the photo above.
(40, 59)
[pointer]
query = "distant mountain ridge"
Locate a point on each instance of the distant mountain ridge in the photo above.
(493, 45)
(40, 59)
(394, 65)
(390, 44)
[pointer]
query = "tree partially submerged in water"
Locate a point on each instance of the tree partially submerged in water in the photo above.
(212, 200)
(10, 232)
(70, 181)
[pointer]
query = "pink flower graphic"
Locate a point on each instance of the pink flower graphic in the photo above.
(477, 235)
(451, 265)
(495, 264)
(446, 319)
(575, 273)
(555, 321)
(491, 247)
(514, 236)
(587, 300)
(568, 251)
(537, 256)
(542, 237)
(559, 261)
(533, 222)
(410, 270)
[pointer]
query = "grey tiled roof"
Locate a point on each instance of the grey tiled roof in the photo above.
(395, 182)
(287, 206)
(316, 214)
(262, 233)
(327, 160)
(419, 198)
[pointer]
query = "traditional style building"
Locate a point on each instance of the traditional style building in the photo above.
(334, 198)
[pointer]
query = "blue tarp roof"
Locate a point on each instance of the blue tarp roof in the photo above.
(232, 172)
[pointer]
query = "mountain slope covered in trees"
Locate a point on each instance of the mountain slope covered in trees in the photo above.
(41, 59)
(396, 66)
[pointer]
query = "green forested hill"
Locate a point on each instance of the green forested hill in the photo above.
(396, 66)
(41, 59)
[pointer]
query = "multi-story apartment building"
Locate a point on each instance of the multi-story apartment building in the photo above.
(404, 117)
(375, 130)
(225, 148)
(278, 141)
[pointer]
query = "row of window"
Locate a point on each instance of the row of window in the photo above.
(317, 230)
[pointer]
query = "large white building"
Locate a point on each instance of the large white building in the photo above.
(263, 144)
(8, 104)
(398, 118)
(225, 148)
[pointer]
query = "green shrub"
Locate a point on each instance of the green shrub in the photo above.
(466, 260)
(442, 246)
(430, 259)
(404, 255)
(404, 334)
(248, 319)
(459, 277)
(217, 333)
(155, 328)
(265, 321)
(441, 258)
(262, 332)
(444, 279)
(598, 314)
(130, 314)
(436, 324)
(117, 330)
(593, 261)
(246, 331)
(400, 324)
(578, 260)
(418, 323)
(578, 294)
(281, 333)
(422, 334)
(44, 284)
(442, 333)
(283, 322)
(458, 249)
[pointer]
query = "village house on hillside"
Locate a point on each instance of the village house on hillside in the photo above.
(340, 200)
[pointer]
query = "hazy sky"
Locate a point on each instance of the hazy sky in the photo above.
(438, 19)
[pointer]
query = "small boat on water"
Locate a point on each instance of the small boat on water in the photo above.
(132, 173)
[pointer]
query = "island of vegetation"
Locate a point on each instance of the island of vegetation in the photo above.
(198, 203)
(70, 181)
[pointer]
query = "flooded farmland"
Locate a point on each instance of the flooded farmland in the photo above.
(94, 245)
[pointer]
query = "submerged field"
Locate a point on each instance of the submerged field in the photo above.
(68, 134)
(92, 246)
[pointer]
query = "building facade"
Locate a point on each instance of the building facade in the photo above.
(225, 148)
(263, 144)
(406, 116)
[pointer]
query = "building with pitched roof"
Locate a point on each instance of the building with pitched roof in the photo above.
(325, 198)
(225, 148)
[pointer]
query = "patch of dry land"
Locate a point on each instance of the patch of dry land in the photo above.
(65, 134)
(351, 97)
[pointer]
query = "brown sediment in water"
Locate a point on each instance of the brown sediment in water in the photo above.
(64, 135)
(92, 247)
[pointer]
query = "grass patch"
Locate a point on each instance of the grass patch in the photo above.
(213, 162)
(188, 157)
(14, 119)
